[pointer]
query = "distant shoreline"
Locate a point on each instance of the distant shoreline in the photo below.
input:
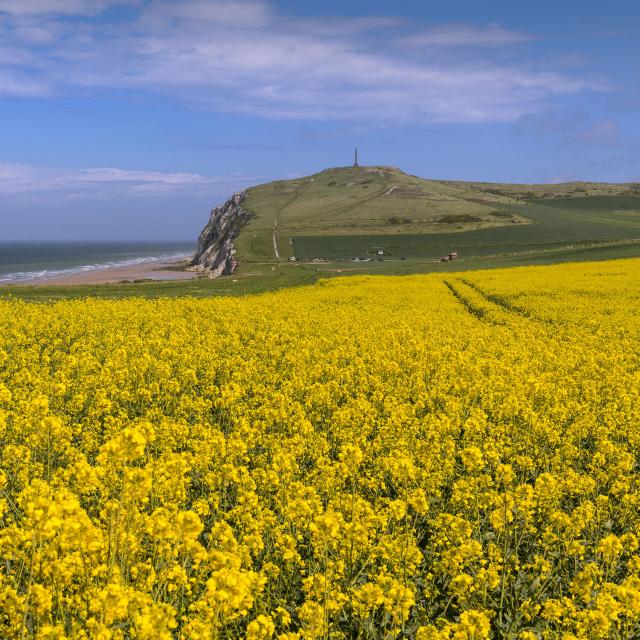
(173, 269)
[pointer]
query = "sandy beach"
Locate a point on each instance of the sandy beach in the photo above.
(145, 271)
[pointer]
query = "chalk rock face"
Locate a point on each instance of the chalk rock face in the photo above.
(216, 255)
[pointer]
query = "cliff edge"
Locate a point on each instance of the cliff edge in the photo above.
(216, 254)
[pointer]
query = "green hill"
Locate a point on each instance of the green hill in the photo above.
(344, 212)
(340, 214)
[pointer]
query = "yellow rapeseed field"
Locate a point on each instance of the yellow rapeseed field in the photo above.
(440, 457)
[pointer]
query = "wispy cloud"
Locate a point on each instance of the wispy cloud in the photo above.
(240, 147)
(14, 83)
(466, 35)
(49, 203)
(25, 180)
(234, 13)
(244, 56)
(52, 7)
(575, 127)
(604, 133)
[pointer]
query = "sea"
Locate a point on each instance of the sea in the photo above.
(24, 262)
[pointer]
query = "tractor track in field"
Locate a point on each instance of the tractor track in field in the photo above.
(489, 306)
(506, 304)
(477, 312)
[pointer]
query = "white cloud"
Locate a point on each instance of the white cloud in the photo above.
(62, 7)
(25, 180)
(332, 27)
(245, 57)
(16, 84)
(602, 133)
(578, 129)
(466, 35)
(236, 13)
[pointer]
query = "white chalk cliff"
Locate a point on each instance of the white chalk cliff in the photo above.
(216, 255)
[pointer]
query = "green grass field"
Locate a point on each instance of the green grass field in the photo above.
(323, 217)
(555, 224)
(345, 212)
(270, 277)
(363, 201)
(263, 278)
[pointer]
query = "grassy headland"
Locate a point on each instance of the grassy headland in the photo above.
(329, 218)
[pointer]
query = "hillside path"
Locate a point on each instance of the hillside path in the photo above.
(275, 242)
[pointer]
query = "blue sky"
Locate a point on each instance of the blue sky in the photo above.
(131, 119)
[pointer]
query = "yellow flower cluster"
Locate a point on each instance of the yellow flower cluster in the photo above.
(441, 457)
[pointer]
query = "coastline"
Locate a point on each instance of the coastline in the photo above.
(152, 270)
